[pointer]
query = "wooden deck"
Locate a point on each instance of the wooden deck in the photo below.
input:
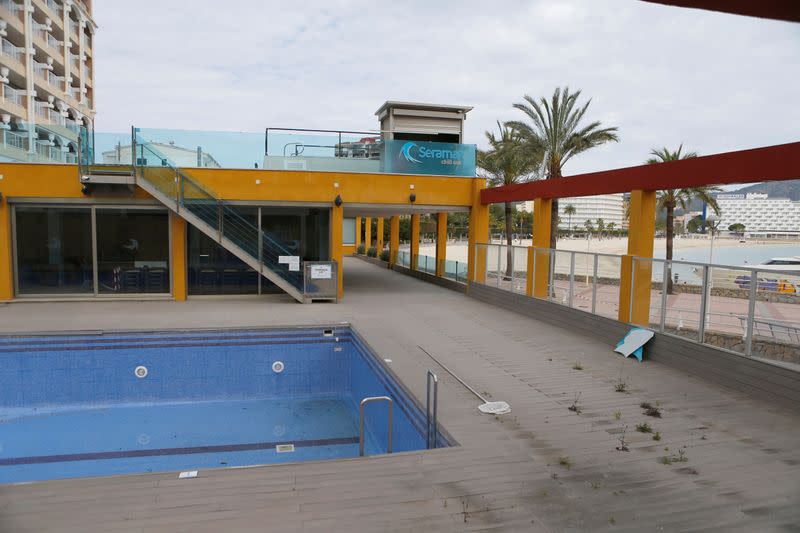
(742, 471)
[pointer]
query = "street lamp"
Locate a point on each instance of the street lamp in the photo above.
(712, 221)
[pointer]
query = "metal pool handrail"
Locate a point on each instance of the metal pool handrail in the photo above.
(431, 437)
(364, 402)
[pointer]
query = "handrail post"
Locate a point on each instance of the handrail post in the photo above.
(571, 277)
(431, 437)
(364, 402)
(701, 328)
(594, 285)
(664, 287)
(499, 255)
(751, 313)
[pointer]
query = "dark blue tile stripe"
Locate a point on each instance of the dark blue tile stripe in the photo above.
(76, 340)
(124, 454)
(145, 346)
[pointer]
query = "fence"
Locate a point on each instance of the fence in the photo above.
(750, 311)
(455, 270)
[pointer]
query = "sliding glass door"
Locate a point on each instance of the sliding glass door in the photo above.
(80, 251)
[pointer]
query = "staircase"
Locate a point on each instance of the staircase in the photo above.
(217, 219)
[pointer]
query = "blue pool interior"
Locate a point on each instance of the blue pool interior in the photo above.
(73, 406)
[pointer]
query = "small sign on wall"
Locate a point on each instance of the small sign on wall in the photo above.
(292, 260)
(321, 271)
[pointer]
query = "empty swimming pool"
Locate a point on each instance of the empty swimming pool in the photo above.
(118, 403)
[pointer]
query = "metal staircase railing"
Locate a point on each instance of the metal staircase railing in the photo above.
(215, 217)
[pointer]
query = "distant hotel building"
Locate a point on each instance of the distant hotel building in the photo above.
(760, 214)
(609, 207)
(46, 78)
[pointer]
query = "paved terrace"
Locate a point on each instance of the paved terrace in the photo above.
(742, 459)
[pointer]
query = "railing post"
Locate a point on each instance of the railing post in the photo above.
(664, 286)
(594, 285)
(219, 219)
(551, 290)
(499, 255)
(701, 328)
(751, 313)
(571, 277)
(512, 268)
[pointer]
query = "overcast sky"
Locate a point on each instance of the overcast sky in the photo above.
(662, 75)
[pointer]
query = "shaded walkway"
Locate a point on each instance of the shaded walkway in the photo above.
(740, 473)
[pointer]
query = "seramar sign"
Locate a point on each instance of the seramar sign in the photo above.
(422, 157)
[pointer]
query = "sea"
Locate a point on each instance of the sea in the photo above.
(743, 254)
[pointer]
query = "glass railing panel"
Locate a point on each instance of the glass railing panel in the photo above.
(583, 282)
(653, 271)
(519, 269)
(404, 258)
(608, 280)
(560, 277)
(776, 316)
(727, 307)
(491, 262)
(682, 312)
(199, 202)
(207, 149)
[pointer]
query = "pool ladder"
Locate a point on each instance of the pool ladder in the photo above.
(431, 432)
(364, 402)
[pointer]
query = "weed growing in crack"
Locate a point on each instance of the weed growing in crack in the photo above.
(617, 415)
(577, 366)
(565, 462)
(644, 427)
(657, 435)
(623, 446)
(574, 407)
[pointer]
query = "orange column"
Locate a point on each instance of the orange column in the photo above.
(538, 277)
(478, 233)
(394, 239)
(441, 243)
(367, 234)
(358, 233)
(179, 290)
(414, 241)
(636, 276)
(6, 268)
(379, 235)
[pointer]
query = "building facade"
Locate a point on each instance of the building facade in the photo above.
(609, 207)
(760, 214)
(47, 75)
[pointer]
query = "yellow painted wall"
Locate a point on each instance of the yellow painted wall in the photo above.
(348, 249)
(179, 289)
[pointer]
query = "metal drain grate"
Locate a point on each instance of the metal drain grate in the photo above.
(284, 448)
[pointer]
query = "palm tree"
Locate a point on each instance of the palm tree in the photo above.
(555, 129)
(601, 226)
(610, 227)
(507, 161)
(667, 200)
(569, 210)
(589, 226)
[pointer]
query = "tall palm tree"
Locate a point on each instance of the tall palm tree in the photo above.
(555, 127)
(507, 161)
(667, 200)
(569, 210)
(610, 227)
(601, 226)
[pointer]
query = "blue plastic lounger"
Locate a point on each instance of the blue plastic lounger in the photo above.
(633, 342)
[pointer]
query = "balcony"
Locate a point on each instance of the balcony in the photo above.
(55, 9)
(57, 81)
(11, 51)
(319, 151)
(75, 62)
(41, 69)
(14, 96)
(42, 111)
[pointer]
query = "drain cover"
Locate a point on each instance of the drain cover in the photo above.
(284, 448)
(140, 371)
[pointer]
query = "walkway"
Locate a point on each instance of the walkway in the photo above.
(540, 468)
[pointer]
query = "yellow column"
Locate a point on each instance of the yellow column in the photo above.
(636, 282)
(538, 280)
(367, 233)
(441, 242)
(414, 241)
(179, 290)
(358, 232)
(6, 268)
(337, 221)
(394, 239)
(478, 233)
(379, 235)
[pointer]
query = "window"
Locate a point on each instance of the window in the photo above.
(132, 251)
(349, 231)
(54, 250)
